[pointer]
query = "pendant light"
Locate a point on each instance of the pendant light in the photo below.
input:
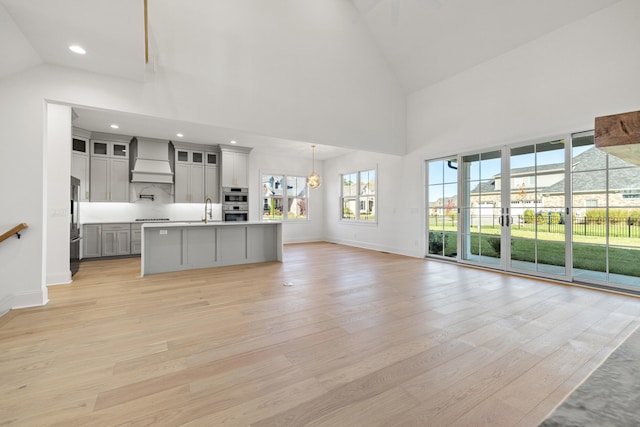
(314, 179)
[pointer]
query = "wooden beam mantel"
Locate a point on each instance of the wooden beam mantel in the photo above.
(619, 135)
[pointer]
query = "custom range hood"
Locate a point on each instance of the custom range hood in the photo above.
(149, 161)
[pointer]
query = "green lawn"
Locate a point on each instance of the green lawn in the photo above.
(586, 254)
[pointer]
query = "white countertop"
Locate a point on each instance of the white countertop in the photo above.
(202, 224)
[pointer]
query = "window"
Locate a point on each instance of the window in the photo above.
(284, 197)
(358, 196)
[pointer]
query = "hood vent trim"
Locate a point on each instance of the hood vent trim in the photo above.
(150, 161)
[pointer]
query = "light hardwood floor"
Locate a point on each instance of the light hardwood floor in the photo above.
(362, 338)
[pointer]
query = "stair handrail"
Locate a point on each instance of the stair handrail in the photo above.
(15, 230)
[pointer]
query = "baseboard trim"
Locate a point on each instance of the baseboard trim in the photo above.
(373, 247)
(6, 304)
(59, 279)
(28, 299)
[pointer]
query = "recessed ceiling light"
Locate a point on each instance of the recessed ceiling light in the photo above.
(179, 135)
(233, 142)
(115, 126)
(77, 49)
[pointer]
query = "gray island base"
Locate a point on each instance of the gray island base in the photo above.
(185, 246)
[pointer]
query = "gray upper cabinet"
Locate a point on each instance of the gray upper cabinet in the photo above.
(109, 171)
(212, 180)
(189, 176)
(80, 164)
(235, 169)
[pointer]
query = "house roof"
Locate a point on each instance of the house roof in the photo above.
(588, 168)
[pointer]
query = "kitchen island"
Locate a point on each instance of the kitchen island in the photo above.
(190, 245)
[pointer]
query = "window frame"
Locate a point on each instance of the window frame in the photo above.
(358, 198)
(285, 198)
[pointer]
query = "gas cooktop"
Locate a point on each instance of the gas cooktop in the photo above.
(153, 219)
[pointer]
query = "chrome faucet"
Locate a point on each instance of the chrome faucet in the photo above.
(210, 210)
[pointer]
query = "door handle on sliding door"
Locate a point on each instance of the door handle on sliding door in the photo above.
(501, 220)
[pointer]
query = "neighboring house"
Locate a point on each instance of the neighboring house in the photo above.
(542, 188)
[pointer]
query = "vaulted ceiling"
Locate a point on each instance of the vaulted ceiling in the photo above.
(426, 41)
(421, 41)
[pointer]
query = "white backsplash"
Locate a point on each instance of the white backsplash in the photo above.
(161, 207)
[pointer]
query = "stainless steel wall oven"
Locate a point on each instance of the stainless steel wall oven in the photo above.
(235, 204)
(235, 195)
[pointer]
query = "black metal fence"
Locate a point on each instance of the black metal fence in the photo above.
(590, 226)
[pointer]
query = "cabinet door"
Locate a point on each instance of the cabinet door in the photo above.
(211, 159)
(80, 145)
(100, 148)
(120, 150)
(212, 185)
(109, 243)
(123, 242)
(197, 184)
(136, 239)
(234, 169)
(99, 179)
(182, 156)
(80, 169)
(241, 169)
(197, 157)
(119, 180)
(228, 160)
(181, 186)
(91, 236)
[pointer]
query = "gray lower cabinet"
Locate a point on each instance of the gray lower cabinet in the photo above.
(116, 239)
(136, 239)
(100, 240)
(92, 238)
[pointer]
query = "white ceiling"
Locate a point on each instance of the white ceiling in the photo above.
(111, 31)
(426, 41)
(423, 41)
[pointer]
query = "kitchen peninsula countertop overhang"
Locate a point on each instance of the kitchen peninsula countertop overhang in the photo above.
(178, 246)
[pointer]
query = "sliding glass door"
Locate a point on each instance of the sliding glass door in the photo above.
(537, 209)
(511, 212)
(559, 208)
(442, 190)
(481, 209)
(606, 216)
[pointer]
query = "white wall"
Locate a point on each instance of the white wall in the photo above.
(292, 231)
(394, 204)
(305, 70)
(554, 85)
(21, 185)
(58, 193)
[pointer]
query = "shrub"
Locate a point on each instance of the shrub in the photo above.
(529, 216)
(599, 215)
(556, 217)
(494, 242)
(436, 243)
